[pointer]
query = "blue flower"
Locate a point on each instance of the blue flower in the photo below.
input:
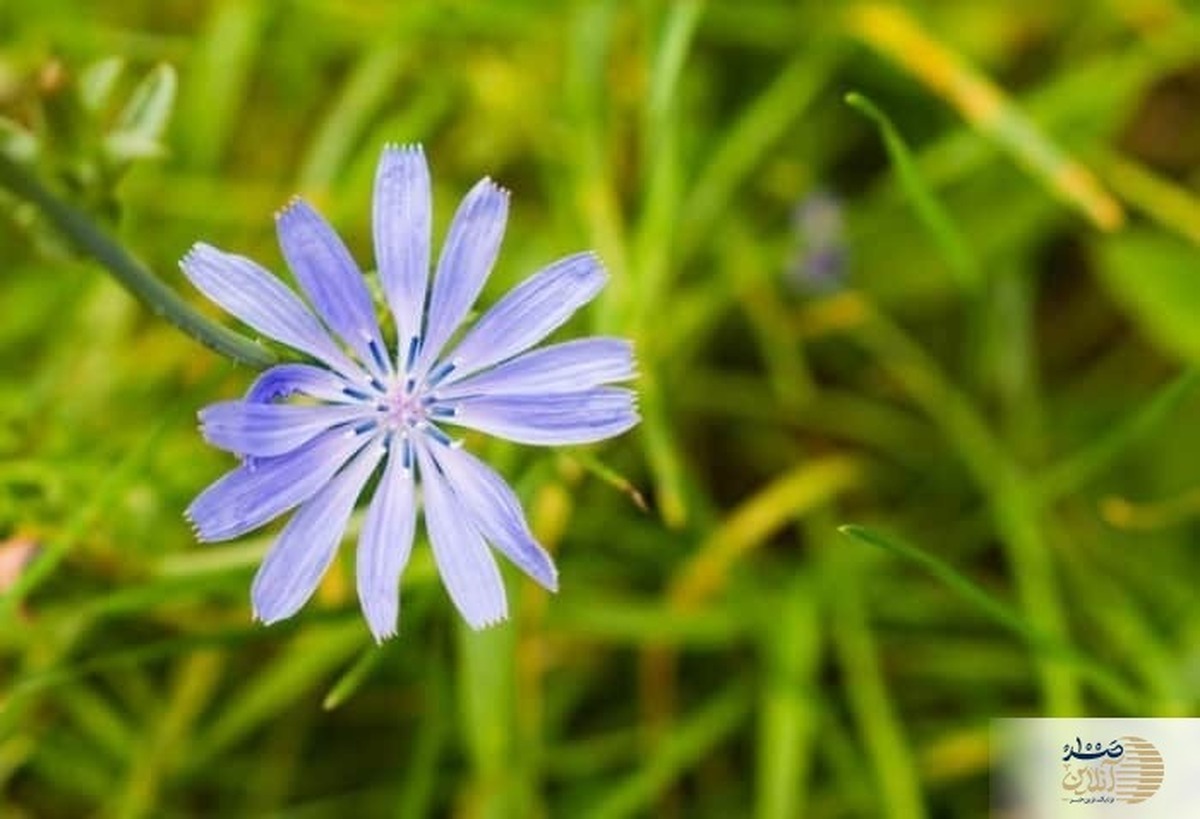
(362, 410)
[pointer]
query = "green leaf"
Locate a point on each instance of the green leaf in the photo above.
(17, 141)
(954, 580)
(98, 81)
(123, 147)
(144, 117)
(929, 210)
(1101, 675)
(693, 737)
(1156, 279)
(353, 678)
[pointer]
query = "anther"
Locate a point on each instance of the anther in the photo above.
(439, 436)
(377, 354)
(414, 347)
(440, 373)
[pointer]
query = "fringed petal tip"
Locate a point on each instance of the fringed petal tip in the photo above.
(381, 637)
(485, 197)
(294, 203)
(197, 529)
(488, 622)
(491, 185)
(256, 616)
(204, 263)
(601, 268)
(407, 148)
(194, 254)
(382, 615)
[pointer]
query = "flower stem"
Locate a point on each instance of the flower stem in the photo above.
(91, 239)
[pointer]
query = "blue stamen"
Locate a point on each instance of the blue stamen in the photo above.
(377, 384)
(357, 395)
(443, 411)
(414, 347)
(440, 373)
(377, 354)
(407, 457)
(439, 436)
(410, 385)
(365, 426)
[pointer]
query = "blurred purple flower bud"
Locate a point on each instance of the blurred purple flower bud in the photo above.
(820, 261)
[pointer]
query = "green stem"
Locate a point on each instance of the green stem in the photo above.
(1074, 471)
(1007, 487)
(86, 235)
(872, 702)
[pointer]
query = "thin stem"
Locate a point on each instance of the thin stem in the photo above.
(1007, 487)
(88, 237)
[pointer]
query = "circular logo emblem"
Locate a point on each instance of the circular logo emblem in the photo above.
(1139, 771)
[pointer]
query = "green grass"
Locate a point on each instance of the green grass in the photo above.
(853, 526)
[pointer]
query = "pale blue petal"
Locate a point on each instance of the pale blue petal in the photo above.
(495, 511)
(257, 492)
(467, 258)
(307, 545)
(572, 366)
(264, 430)
(530, 312)
(401, 220)
(384, 546)
(465, 563)
(565, 418)
(328, 274)
(285, 380)
(246, 290)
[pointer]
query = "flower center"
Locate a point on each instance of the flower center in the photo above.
(402, 408)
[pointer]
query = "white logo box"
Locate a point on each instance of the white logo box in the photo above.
(1044, 768)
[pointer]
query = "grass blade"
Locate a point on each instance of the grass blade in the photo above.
(941, 227)
(894, 33)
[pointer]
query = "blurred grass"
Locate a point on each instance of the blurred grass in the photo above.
(718, 648)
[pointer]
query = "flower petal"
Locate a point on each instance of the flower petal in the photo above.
(254, 493)
(384, 546)
(467, 257)
(285, 380)
(328, 274)
(264, 430)
(246, 290)
(530, 312)
(565, 418)
(495, 511)
(401, 219)
(572, 366)
(306, 546)
(464, 561)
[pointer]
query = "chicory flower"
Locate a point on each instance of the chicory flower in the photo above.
(366, 406)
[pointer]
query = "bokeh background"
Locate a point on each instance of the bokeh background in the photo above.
(957, 312)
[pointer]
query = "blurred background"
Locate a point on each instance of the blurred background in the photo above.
(955, 312)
